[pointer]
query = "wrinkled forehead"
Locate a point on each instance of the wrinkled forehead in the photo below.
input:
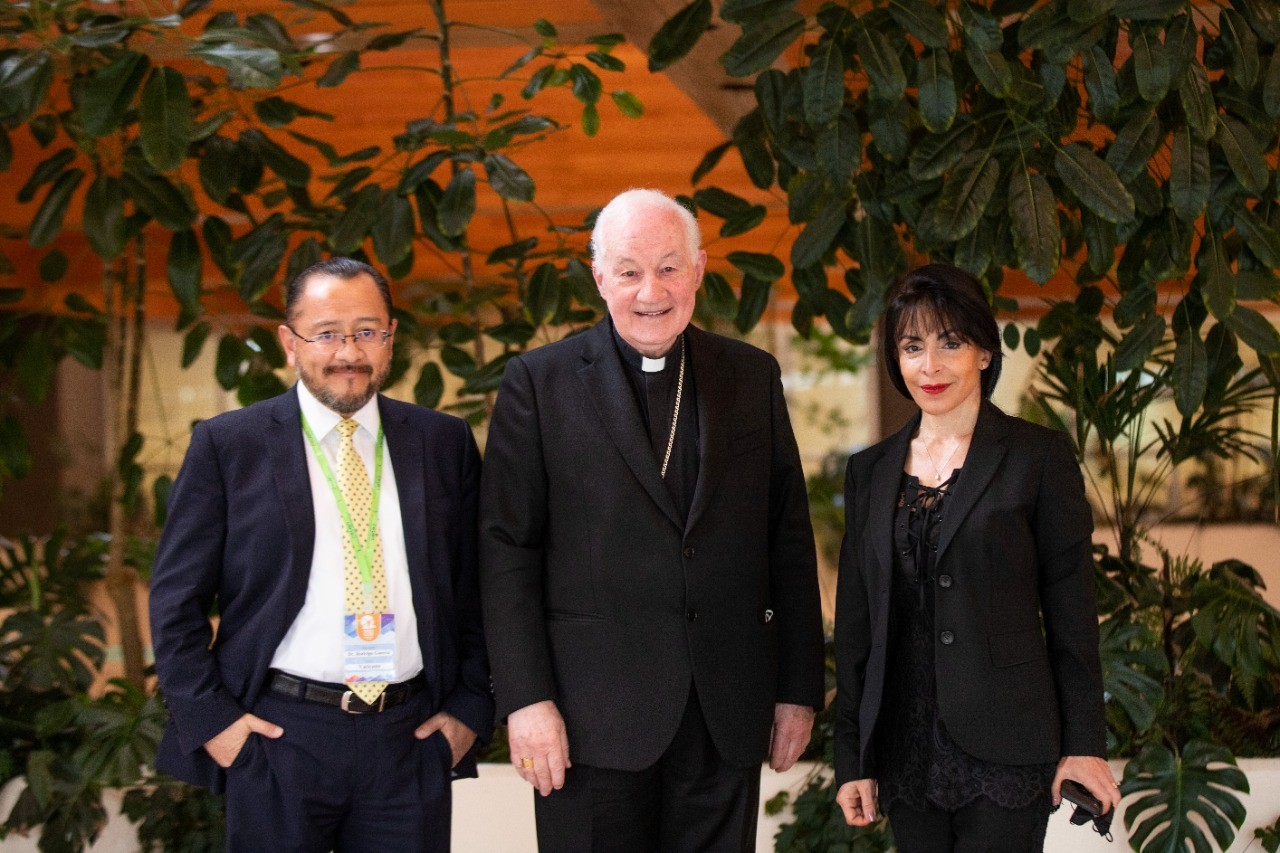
(648, 233)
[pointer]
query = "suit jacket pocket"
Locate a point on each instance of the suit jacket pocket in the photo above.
(1017, 647)
(572, 616)
(750, 441)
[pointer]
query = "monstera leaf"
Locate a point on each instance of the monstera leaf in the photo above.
(1234, 622)
(1179, 795)
(1128, 662)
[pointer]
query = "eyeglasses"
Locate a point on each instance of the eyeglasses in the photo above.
(332, 341)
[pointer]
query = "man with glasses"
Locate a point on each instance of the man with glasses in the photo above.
(334, 530)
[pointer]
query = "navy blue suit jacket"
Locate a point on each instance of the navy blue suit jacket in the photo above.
(240, 534)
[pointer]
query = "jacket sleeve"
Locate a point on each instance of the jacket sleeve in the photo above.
(471, 700)
(184, 584)
(1063, 531)
(513, 517)
(793, 564)
(852, 643)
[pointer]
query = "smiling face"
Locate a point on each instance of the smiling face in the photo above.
(346, 378)
(941, 370)
(648, 277)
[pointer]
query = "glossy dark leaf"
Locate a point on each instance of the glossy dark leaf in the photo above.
(744, 220)
(1214, 271)
(627, 103)
(458, 204)
(936, 91)
(1188, 175)
(749, 136)
(718, 202)
(231, 355)
(47, 222)
(193, 343)
(429, 388)
(185, 266)
(745, 11)
(107, 94)
(1243, 154)
(1271, 88)
(937, 153)
(817, 236)
(1100, 83)
(249, 66)
(1151, 66)
(1236, 624)
(1033, 215)
(980, 27)
(544, 294)
(677, 36)
(46, 172)
(964, 198)
(392, 230)
(1243, 48)
(1136, 346)
(1134, 144)
(766, 268)
(507, 179)
(824, 83)
(992, 70)
(752, 303)
(1258, 285)
(53, 266)
(1166, 791)
(886, 78)
(719, 296)
(590, 120)
(103, 220)
(1148, 10)
(922, 20)
(1093, 182)
(1197, 101)
(1255, 330)
(585, 83)
(761, 43)
(354, 224)
(1262, 237)
(839, 149)
(160, 199)
(290, 169)
(165, 122)
(1129, 670)
(25, 78)
(1190, 373)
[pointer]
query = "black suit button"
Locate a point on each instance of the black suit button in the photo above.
(947, 638)
(691, 615)
(944, 581)
(689, 552)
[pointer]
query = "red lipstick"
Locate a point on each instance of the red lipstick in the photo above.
(934, 389)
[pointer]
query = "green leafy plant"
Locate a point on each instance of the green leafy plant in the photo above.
(1175, 789)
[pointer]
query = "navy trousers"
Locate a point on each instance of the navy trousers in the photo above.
(350, 783)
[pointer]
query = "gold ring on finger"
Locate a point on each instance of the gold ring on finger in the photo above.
(526, 763)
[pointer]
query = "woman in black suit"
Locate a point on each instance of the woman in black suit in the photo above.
(966, 631)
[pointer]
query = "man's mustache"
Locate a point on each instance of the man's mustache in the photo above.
(359, 368)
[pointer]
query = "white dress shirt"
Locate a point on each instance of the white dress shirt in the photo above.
(313, 646)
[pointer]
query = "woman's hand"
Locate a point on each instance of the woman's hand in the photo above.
(1092, 772)
(857, 799)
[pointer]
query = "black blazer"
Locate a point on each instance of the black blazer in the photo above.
(240, 531)
(597, 595)
(1018, 675)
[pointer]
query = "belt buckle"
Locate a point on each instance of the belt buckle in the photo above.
(375, 708)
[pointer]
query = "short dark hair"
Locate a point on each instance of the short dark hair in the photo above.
(949, 299)
(338, 267)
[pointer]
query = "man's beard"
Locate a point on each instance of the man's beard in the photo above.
(345, 404)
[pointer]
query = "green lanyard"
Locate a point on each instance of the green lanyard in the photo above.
(363, 549)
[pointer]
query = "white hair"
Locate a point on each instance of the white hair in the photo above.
(625, 203)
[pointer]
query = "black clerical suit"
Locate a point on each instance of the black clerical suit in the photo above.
(640, 619)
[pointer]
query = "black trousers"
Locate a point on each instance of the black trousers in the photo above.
(980, 827)
(343, 782)
(690, 801)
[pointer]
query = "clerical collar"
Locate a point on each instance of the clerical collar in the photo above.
(633, 358)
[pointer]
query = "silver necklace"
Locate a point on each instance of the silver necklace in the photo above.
(937, 469)
(675, 416)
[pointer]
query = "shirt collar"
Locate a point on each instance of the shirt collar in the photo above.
(323, 419)
(633, 359)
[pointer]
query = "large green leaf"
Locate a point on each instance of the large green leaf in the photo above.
(981, 27)
(762, 43)
(392, 231)
(1129, 668)
(840, 149)
(1100, 82)
(1255, 330)
(752, 303)
(356, 221)
(817, 236)
(507, 179)
(107, 93)
(1243, 154)
(543, 296)
(1175, 795)
(1151, 65)
(1093, 182)
(824, 83)
(1242, 48)
(159, 198)
(1232, 619)
(165, 119)
(1136, 346)
(47, 222)
(1033, 215)
(248, 66)
(185, 265)
(1263, 238)
(46, 172)
(750, 135)
(1197, 101)
(1258, 284)
(922, 20)
(1213, 269)
(964, 198)
(763, 267)
(458, 204)
(719, 296)
(991, 68)
(936, 91)
(879, 59)
(103, 221)
(25, 78)
(936, 153)
(677, 36)
(1188, 175)
(1134, 144)
(1190, 372)
(1271, 88)
(293, 171)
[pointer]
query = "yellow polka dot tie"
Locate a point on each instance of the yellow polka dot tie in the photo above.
(353, 479)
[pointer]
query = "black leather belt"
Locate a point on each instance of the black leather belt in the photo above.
(304, 690)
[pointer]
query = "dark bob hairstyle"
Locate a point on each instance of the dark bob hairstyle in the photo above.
(943, 298)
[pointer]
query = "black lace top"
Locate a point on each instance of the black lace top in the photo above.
(917, 762)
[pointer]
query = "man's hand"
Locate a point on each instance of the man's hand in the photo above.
(857, 799)
(456, 732)
(539, 745)
(1092, 772)
(792, 725)
(226, 745)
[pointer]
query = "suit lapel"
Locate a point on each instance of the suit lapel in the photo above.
(610, 392)
(287, 452)
(986, 450)
(886, 481)
(407, 463)
(714, 386)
